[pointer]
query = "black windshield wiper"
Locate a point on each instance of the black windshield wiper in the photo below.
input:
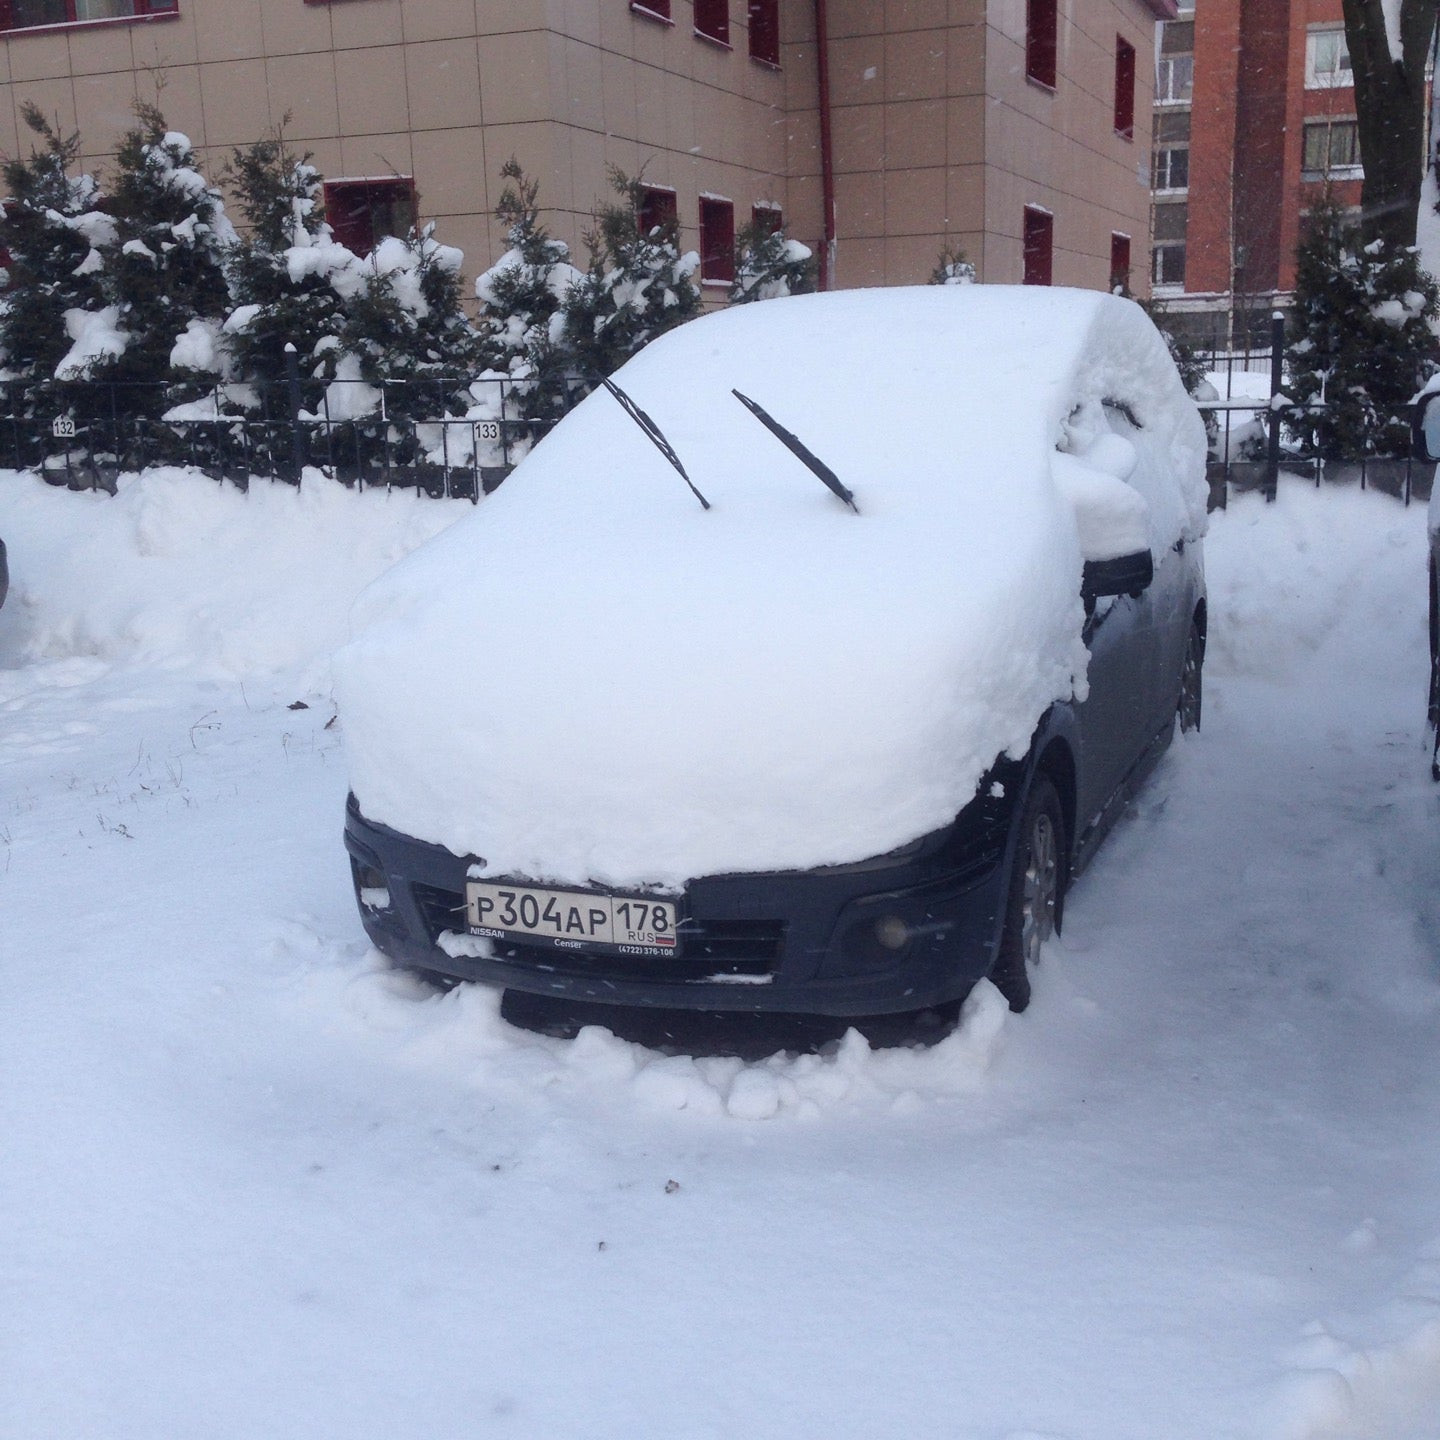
(793, 444)
(653, 431)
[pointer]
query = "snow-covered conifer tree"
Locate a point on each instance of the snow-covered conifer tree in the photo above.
(164, 273)
(53, 233)
(1360, 337)
(522, 322)
(952, 268)
(281, 273)
(769, 264)
(638, 284)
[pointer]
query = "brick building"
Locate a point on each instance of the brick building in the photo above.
(877, 131)
(1254, 116)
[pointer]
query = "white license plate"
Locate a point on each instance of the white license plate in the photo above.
(571, 919)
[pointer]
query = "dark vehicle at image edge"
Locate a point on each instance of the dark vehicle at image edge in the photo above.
(4, 574)
(900, 932)
(1426, 437)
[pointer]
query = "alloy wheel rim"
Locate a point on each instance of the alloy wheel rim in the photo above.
(1042, 874)
(1190, 688)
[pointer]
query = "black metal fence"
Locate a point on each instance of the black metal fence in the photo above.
(445, 437)
(1254, 439)
(460, 437)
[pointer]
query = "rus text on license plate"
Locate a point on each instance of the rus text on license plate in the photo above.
(571, 919)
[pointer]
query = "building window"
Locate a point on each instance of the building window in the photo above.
(1174, 79)
(1175, 65)
(1172, 150)
(1169, 265)
(1332, 149)
(1124, 88)
(1168, 256)
(1172, 168)
(658, 211)
(1119, 262)
(717, 241)
(1327, 61)
(766, 219)
(765, 31)
(1042, 40)
(712, 20)
(364, 212)
(655, 9)
(29, 14)
(1039, 246)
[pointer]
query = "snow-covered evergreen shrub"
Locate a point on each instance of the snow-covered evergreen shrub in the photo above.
(1360, 338)
(163, 276)
(769, 264)
(402, 321)
(281, 289)
(952, 268)
(522, 297)
(638, 284)
(53, 233)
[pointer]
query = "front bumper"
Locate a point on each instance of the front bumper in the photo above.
(797, 942)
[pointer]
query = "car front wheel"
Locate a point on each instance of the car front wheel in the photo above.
(1035, 893)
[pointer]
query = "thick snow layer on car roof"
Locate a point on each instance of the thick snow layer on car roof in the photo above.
(595, 679)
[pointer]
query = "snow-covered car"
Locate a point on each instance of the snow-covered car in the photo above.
(798, 672)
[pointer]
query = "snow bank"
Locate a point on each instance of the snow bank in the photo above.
(1376, 1376)
(595, 679)
(180, 570)
(1290, 571)
(461, 1035)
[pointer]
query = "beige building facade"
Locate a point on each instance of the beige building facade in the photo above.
(877, 130)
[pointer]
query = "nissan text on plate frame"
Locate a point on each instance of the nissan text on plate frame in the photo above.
(782, 678)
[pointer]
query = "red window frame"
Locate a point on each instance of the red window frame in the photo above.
(712, 20)
(1039, 246)
(1119, 260)
(1042, 41)
(352, 209)
(66, 14)
(717, 240)
(1124, 88)
(764, 22)
(658, 211)
(653, 9)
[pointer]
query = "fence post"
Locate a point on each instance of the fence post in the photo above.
(1277, 381)
(292, 394)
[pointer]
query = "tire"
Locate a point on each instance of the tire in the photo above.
(1192, 679)
(1034, 893)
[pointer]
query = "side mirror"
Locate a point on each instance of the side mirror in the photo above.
(1425, 428)
(1124, 575)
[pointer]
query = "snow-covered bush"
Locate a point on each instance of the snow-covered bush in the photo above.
(279, 296)
(52, 231)
(404, 322)
(638, 285)
(165, 268)
(522, 297)
(952, 268)
(1360, 342)
(769, 264)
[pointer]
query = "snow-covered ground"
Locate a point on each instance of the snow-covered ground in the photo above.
(253, 1185)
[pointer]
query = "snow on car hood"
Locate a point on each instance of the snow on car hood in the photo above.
(594, 679)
